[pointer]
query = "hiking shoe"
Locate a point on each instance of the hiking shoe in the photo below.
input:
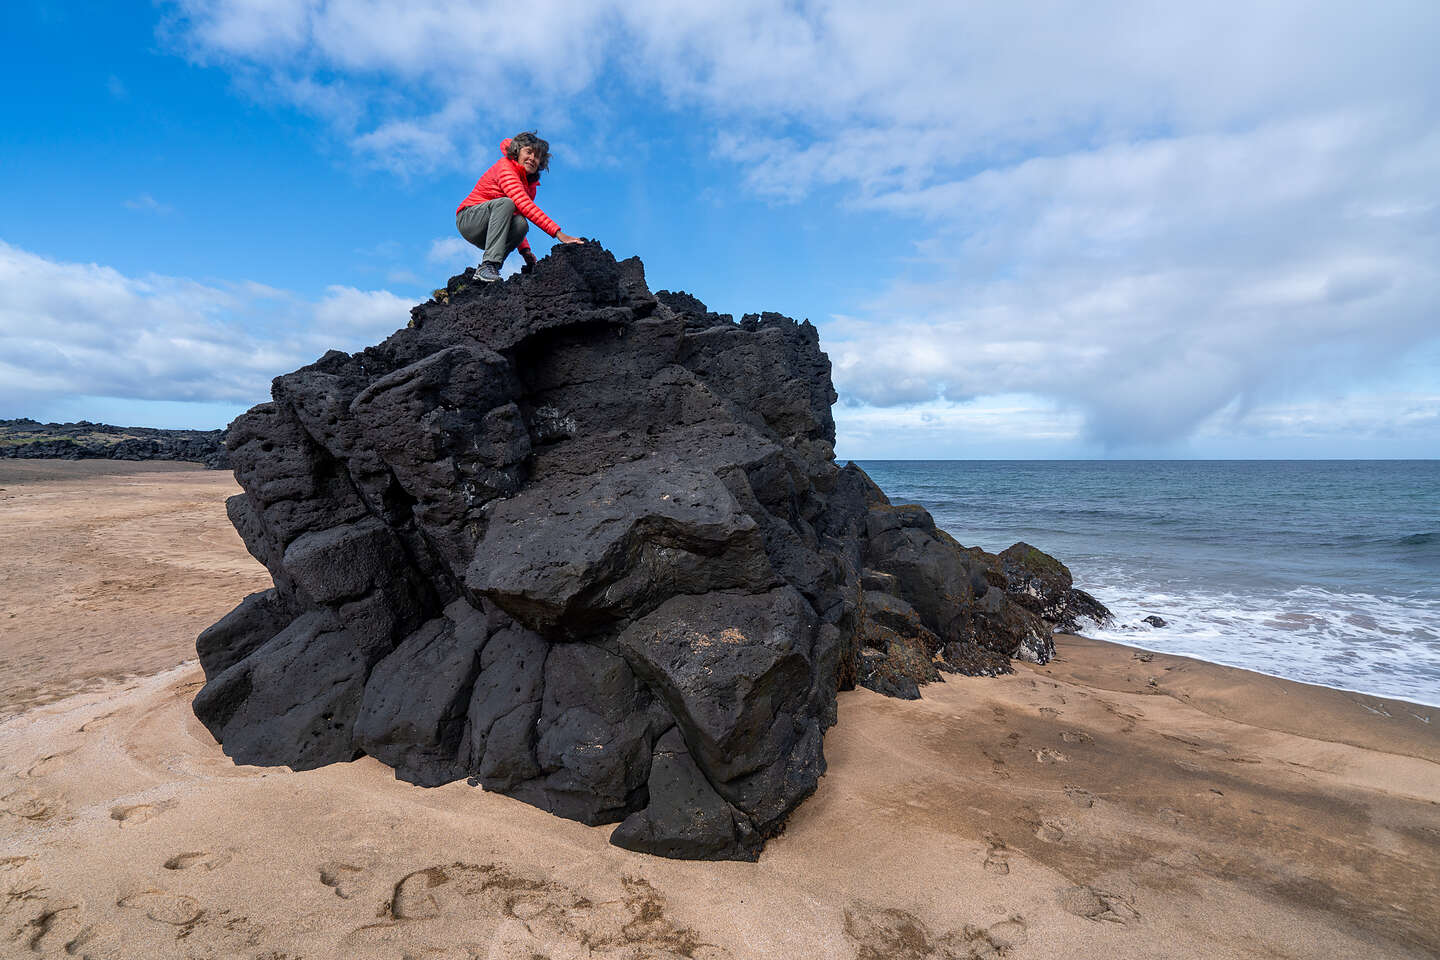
(488, 272)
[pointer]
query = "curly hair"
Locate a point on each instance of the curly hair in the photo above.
(528, 138)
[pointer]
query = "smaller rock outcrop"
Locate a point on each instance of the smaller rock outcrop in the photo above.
(1043, 585)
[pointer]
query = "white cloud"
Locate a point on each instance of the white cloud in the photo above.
(1375, 423)
(349, 314)
(1143, 214)
(149, 204)
(999, 425)
(1398, 415)
(1152, 284)
(85, 329)
(452, 251)
(964, 80)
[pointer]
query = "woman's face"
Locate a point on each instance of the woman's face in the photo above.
(530, 160)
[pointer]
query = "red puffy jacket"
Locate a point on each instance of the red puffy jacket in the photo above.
(507, 178)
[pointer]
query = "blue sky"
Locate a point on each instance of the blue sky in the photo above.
(1024, 229)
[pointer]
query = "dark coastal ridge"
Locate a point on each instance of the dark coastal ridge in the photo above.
(25, 439)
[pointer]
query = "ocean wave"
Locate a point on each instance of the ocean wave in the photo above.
(1219, 550)
(1378, 644)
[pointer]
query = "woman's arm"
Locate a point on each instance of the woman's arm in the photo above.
(524, 206)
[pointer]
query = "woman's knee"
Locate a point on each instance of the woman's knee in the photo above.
(519, 226)
(504, 206)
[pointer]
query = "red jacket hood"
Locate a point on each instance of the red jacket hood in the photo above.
(519, 167)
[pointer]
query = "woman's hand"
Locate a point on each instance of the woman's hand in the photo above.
(564, 237)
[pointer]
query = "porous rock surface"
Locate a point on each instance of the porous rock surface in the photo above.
(586, 546)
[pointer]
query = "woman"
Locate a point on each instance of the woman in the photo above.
(498, 212)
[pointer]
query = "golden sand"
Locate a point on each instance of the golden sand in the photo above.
(1110, 804)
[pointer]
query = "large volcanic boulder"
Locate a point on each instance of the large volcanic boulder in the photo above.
(586, 546)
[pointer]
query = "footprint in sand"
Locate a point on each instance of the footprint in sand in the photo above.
(96, 722)
(346, 879)
(885, 933)
(1083, 799)
(1092, 904)
(1009, 934)
(1049, 713)
(75, 946)
(997, 764)
(46, 765)
(197, 858)
(58, 928)
(28, 806)
(137, 813)
(1170, 815)
(1128, 719)
(34, 917)
(1075, 736)
(163, 906)
(1047, 755)
(997, 858)
(1050, 831)
(466, 909)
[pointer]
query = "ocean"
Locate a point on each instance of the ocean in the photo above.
(1323, 571)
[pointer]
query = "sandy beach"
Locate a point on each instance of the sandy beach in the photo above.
(1108, 804)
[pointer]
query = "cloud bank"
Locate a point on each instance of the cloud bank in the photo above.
(73, 328)
(1142, 214)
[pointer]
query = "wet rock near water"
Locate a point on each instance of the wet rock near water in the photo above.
(588, 546)
(1043, 585)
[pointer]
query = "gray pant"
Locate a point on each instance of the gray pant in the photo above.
(494, 227)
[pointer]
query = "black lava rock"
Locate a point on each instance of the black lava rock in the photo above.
(1043, 585)
(586, 546)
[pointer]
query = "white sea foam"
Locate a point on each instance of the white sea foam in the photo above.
(1385, 646)
(1321, 571)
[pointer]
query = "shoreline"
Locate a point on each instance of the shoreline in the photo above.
(18, 474)
(1330, 714)
(1391, 699)
(1114, 802)
(1322, 573)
